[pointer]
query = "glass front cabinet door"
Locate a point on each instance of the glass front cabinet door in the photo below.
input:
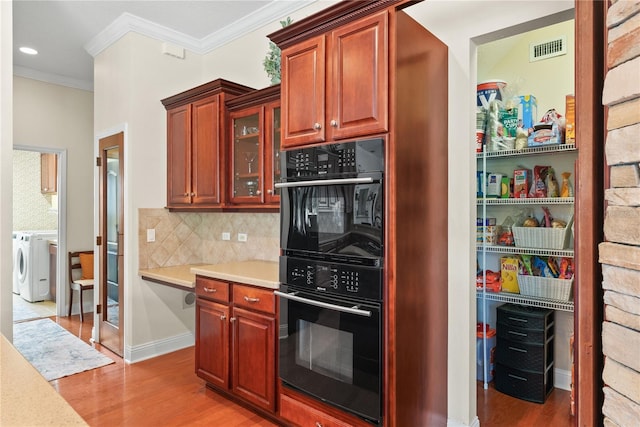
(247, 156)
(272, 148)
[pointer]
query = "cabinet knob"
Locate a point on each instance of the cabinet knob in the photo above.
(258, 192)
(334, 123)
(317, 126)
(223, 317)
(233, 319)
(186, 194)
(193, 194)
(269, 191)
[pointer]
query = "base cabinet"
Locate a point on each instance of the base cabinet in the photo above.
(236, 340)
(302, 411)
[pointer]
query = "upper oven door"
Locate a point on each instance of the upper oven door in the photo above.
(332, 349)
(337, 218)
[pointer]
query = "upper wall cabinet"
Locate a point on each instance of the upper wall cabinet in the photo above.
(195, 144)
(335, 85)
(254, 149)
(48, 173)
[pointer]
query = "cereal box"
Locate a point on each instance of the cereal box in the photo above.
(521, 183)
(570, 117)
(509, 274)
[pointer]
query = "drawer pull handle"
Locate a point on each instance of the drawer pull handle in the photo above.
(521, 350)
(517, 333)
(250, 299)
(518, 319)
(210, 290)
(318, 424)
(517, 377)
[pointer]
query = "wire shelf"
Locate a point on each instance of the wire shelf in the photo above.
(496, 249)
(528, 201)
(545, 149)
(525, 300)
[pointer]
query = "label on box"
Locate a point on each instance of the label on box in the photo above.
(494, 183)
(570, 119)
(509, 274)
(505, 185)
(521, 182)
(509, 120)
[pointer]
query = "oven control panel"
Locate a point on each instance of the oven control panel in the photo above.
(329, 277)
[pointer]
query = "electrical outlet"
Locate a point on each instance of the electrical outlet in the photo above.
(242, 237)
(151, 234)
(226, 235)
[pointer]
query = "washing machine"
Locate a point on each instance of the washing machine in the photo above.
(16, 243)
(32, 264)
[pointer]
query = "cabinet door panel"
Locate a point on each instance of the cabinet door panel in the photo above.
(254, 358)
(206, 152)
(179, 155)
(358, 94)
(303, 92)
(212, 342)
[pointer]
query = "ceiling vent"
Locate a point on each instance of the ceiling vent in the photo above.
(548, 49)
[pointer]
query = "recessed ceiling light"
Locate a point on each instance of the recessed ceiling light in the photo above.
(28, 50)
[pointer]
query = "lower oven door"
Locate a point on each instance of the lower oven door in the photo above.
(330, 348)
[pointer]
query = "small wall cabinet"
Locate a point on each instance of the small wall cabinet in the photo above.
(254, 150)
(335, 85)
(48, 173)
(236, 340)
(195, 140)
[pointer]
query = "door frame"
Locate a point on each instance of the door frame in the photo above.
(97, 295)
(62, 285)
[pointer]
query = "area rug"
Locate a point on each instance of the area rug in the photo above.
(53, 351)
(21, 312)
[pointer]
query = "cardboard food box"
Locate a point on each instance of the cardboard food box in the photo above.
(509, 274)
(509, 120)
(486, 231)
(521, 183)
(527, 111)
(505, 187)
(494, 184)
(570, 120)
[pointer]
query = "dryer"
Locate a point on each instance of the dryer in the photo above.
(32, 265)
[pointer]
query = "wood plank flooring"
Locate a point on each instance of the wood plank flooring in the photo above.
(164, 391)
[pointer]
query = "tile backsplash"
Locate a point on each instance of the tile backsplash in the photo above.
(191, 237)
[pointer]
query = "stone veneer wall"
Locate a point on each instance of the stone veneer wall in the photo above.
(620, 253)
(190, 237)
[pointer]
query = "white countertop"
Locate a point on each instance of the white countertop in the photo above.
(254, 272)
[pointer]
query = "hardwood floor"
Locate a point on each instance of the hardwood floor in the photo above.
(164, 391)
(497, 409)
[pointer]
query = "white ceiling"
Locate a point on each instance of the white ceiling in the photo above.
(67, 33)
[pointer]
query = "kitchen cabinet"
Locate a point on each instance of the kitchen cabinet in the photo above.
(195, 145)
(254, 150)
(360, 64)
(335, 85)
(48, 173)
(236, 339)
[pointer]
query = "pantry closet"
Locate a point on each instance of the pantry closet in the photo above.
(525, 274)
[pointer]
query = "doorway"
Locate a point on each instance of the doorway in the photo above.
(39, 209)
(111, 242)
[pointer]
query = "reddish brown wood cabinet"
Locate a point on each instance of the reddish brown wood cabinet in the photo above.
(48, 173)
(195, 144)
(254, 148)
(335, 85)
(236, 340)
(359, 69)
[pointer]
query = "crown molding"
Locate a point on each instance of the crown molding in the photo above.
(131, 23)
(52, 78)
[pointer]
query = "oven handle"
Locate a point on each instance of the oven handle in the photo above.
(350, 310)
(343, 181)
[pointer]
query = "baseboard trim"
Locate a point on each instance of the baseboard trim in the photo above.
(562, 379)
(453, 423)
(138, 353)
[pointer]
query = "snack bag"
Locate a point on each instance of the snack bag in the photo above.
(509, 267)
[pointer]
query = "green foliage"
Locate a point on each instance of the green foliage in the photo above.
(271, 61)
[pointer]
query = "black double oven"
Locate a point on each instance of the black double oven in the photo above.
(332, 234)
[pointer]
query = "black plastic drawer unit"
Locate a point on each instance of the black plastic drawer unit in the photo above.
(524, 352)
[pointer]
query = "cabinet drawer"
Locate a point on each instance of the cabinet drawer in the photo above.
(305, 416)
(523, 335)
(534, 387)
(532, 357)
(254, 298)
(525, 316)
(212, 289)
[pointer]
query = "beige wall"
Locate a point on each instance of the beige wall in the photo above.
(6, 148)
(55, 117)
